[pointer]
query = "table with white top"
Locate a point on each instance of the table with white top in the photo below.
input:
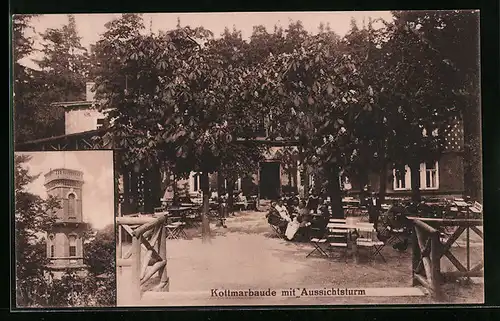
(353, 226)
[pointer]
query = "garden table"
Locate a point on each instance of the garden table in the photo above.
(359, 227)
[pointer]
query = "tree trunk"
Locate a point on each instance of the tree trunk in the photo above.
(134, 182)
(363, 178)
(382, 183)
(294, 179)
(155, 187)
(230, 200)
(305, 173)
(220, 183)
(175, 200)
(205, 225)
(290, 185)
(472, 150)
(335, 194)
(415, 181)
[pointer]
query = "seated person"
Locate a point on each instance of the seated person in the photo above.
(313, 202)
(303, 212)
(240, 198)
(304, 219)
(324, 211)
(283, 213)
(294, 200)
(291, 200)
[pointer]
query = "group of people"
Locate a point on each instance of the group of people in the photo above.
(298, 220)
(295, 218)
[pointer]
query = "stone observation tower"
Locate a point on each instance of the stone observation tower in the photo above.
(65, 239)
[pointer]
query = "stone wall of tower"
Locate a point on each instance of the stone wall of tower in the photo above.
(66, 185)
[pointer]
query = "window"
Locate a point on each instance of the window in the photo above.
(196, 182)
(100, 122)
(345, 183)
(72, 245)
(51, 246)
(71, 206)
(402, 180)
(237, 185)
(429, 176)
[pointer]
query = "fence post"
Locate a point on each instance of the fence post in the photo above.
(436, 265)
(136, 269)
(162, 238)
(164, 280)
(415, 256)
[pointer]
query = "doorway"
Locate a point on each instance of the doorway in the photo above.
(269, 180)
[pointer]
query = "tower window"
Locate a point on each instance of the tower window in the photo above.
(72, 245)
(51, 246)
(71, 206)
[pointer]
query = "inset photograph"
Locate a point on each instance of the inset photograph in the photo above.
(64, 229)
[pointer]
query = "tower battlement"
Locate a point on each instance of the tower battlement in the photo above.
(63, 174)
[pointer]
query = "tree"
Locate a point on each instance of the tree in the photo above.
(22, 43)
(241, 160)
(25, 79)
(420, 99)
(64, 69)
(33, 216)
(368, 121)
(99, 256)
(310, 92)
(185, 102)
(454, 34)
(65, 62)
(64, 72)
(289, 156)
(99, 252)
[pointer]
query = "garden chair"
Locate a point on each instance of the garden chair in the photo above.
(370, 241)
(274, 221)
(319, 246)
(338, 235)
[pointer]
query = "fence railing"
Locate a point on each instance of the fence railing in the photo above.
(147, 233)
(428, 249)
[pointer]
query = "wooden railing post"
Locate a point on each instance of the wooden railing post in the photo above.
(136, 268)
(436, 265)
(415, 256)
(164, 279)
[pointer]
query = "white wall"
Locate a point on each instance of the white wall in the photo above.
(81, 120)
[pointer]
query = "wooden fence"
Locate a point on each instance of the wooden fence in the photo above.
(147, 233)
(428, 249)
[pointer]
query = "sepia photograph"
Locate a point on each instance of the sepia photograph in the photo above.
(64, 229)
(264, 158)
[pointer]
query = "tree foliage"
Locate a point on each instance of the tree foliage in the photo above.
(453, 35)
(33, 216)
(63, 70)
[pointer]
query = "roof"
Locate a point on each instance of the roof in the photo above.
(62, 137)
(71, 104)
(63, 169)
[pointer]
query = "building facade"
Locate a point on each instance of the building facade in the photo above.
(65, 238)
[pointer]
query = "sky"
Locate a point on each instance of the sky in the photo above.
(91, 26)
(98, 187)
